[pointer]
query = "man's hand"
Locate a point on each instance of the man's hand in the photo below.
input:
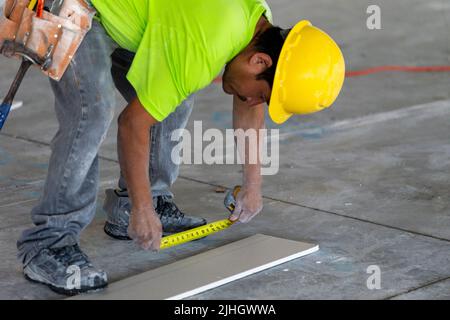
(248, 204)
(145, 229)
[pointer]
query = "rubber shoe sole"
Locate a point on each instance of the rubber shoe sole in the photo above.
(117, 233)
(67, 292)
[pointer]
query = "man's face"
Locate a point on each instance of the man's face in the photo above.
(240, 78)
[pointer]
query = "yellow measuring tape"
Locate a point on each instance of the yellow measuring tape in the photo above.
(203, 231)
(194, 234)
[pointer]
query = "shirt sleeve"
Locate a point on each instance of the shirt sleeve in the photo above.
(268, 13)
(161, 68)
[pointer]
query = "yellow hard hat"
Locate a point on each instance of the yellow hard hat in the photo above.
(309, 75)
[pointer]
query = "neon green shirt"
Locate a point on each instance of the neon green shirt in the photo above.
(180, 45)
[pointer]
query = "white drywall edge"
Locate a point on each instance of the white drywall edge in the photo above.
(243, 274)
(207, 270)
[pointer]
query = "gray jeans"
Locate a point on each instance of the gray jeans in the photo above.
(84, 106)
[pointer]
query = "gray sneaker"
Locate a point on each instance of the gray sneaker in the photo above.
(118, 207)
(65, 270)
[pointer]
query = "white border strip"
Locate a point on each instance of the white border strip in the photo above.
(242, 274)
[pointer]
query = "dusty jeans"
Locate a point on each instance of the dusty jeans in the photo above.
(84, 106)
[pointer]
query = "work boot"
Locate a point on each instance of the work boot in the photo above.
(65, 270)
(118, 207)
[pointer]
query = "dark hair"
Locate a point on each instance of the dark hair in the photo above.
(270, 42)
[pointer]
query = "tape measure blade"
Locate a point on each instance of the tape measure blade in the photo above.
(194, 234)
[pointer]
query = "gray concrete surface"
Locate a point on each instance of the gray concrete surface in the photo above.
(368, 180)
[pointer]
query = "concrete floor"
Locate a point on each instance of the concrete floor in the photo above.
(368, 180)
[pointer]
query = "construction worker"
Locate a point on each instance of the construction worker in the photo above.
(161, 53)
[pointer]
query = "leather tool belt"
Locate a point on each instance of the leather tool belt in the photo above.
(50, 41)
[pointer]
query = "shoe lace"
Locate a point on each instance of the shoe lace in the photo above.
(71, 255)
(167, 208)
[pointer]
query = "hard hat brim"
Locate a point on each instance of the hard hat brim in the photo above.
(276, 111)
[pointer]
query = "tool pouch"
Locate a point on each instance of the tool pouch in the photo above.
(54, 38)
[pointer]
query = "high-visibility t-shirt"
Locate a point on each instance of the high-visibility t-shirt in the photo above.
(180, 45)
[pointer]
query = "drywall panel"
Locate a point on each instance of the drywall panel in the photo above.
(207, 270)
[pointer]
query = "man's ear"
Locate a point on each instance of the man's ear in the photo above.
(260, 62)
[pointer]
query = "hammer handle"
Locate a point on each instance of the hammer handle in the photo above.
(25, 65)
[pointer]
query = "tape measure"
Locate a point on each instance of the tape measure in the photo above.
(230, 199)
(206, 230)
(194, 234)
